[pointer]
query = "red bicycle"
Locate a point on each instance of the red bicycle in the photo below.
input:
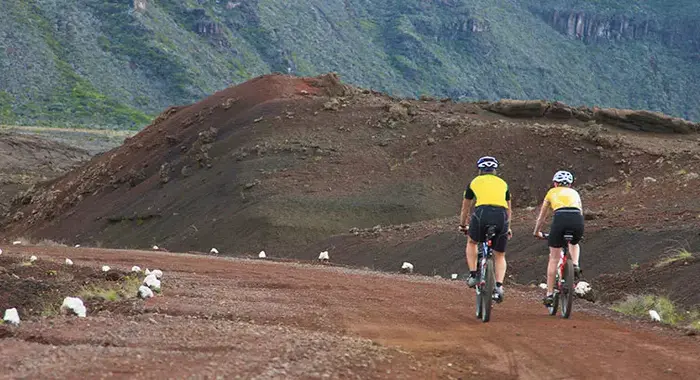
(564, 280)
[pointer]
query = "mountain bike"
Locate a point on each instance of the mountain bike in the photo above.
(564, 279)
(485, 294)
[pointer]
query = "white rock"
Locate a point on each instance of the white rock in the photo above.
(654, 316)
(323, 256)
(77, 246)
(407, 266)
(33, 258)
(16, 242)
(158, 273)
(11, 316)
(582, 288)
(152, 282)
(69, 262)
(136, 269)
(262, 255)
(75, 305)
(454, 276)
(145, 292)
(155, 247)
(214, 251)
(105, 268)
(649, 180)
(543, 286)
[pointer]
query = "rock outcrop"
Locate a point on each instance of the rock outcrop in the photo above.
(592, 27)
(639, 120)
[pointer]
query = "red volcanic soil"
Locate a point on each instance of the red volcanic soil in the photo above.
(223, 317)
(290, 165)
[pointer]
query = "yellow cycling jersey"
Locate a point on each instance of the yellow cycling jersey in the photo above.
(488, 190)
(559, 197)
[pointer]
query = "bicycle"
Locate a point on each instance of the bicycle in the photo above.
(487, 277)
(564, 279)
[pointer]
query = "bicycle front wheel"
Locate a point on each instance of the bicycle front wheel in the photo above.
(567, 291)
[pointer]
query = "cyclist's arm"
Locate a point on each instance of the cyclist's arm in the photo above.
(509, 212)
(467, 206)
(544, 210)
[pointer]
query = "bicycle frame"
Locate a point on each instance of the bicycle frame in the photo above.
(563, 258)
(563, 290)
(483, 256)
(486, 252)
(485, 267)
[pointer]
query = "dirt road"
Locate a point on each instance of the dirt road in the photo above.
(225, 318)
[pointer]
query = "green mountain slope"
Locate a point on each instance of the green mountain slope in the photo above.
(107, 63)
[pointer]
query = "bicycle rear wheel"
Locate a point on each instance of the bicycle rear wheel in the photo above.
(479, 298)
(567, 290)
(487, 291)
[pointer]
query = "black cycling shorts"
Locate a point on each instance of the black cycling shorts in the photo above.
(490, 215)
(565, 220)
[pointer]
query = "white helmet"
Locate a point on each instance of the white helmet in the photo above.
(563, 177)
(487, 163)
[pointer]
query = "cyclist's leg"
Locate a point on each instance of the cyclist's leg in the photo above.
(554, 255)
(555, 243)
(500, 243)
(501, 265)
(471, 252)
(475, 234)
(575, 250)
(575, 224)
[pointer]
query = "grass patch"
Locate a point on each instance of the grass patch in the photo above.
(23, 241)
(50, 243)
(126, 288)
(50, 309)
(639, 306)
(677, 255)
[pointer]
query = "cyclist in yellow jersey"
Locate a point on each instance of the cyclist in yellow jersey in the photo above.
(565, 202)
(490, 197)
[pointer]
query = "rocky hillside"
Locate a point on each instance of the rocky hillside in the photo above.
(280, 162)
(120, 63)
(28, 160)
(295, 166)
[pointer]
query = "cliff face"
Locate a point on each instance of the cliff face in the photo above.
(96, 62)
(591, 27)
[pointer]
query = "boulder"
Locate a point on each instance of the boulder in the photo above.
(519, 108)
(647, 121)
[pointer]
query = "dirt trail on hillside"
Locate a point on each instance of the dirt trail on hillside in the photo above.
(264, 320)
(281, 162)
(27, 160)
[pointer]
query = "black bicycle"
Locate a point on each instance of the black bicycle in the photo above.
(564, 280)
(485, 294)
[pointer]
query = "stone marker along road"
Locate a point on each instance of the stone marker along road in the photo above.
(236, 318)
